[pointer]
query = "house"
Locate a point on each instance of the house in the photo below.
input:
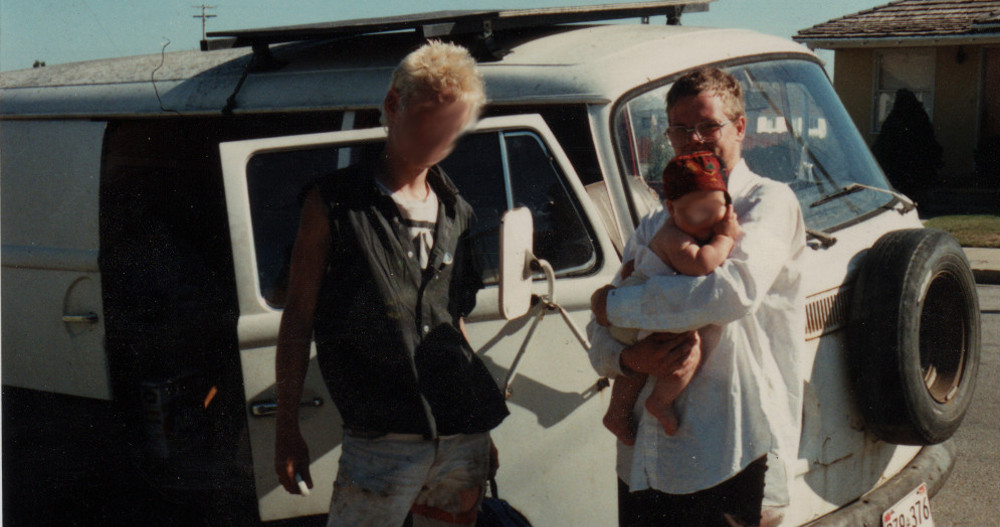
(947, 52)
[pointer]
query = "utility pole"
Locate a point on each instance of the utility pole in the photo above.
(203, 17)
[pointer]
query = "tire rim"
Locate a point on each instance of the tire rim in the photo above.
(943, 343)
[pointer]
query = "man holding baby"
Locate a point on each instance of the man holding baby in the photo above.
(728, 342)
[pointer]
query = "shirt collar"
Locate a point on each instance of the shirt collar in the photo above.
(740, 179)
(442, 185)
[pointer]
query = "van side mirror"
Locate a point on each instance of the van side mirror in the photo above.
(518, 265)
(516, 241)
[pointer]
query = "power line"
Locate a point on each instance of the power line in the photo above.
(100, 25)
(203, 16)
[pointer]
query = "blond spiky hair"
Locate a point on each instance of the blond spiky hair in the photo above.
(439, 67)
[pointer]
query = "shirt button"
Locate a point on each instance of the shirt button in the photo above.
(409, 254)
(427, 329)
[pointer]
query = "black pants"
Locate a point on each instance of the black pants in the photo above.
(739, 496)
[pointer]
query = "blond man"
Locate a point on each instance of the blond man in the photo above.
(382, 275)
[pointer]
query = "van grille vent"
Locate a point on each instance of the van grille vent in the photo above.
(826, 312)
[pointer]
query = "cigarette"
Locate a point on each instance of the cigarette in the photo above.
(303, 488)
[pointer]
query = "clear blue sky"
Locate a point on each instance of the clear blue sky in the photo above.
(60, 31)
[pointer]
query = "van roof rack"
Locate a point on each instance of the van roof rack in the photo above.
(480, 24)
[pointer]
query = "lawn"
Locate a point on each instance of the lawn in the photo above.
(972, 231)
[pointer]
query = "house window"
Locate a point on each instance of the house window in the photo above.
(912, 69)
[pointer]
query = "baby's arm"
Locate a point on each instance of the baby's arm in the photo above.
(691, 259)
(682, 252)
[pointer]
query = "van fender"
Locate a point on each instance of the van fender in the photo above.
(914, 337)
(931, 466)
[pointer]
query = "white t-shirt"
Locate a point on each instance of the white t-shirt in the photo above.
(420, 217)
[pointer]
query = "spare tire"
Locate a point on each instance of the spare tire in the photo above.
(914, 337)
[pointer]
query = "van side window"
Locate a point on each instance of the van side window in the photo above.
(275, 183)
(561, 237)
(493, 171)
(476, 167)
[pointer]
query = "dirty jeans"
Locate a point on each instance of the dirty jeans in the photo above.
(380, 479)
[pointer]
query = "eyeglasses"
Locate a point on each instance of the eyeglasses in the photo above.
(703, 131)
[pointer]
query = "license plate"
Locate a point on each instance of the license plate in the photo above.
(912, 511)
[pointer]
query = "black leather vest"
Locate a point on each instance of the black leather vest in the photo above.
(386, 330)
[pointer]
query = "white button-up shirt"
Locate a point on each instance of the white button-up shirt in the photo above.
(746, 399)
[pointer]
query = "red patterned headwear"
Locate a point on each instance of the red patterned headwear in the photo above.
(696, 171)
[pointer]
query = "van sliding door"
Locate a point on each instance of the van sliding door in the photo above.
(53, 321)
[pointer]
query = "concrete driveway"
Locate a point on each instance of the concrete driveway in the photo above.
(970, 496)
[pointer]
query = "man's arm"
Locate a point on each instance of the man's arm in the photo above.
(467, 277)
(605, 352)
(494, 453)
(660, 354)
(683, 303)
(309, 258)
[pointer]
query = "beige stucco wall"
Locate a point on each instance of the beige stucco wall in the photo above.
(956, 105)
(956, 100)
(852, 79)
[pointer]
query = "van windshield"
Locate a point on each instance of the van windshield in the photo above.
(797, 133)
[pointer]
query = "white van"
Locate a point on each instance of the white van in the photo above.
(150, 204)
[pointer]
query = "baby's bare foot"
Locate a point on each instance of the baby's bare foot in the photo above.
(664, 413)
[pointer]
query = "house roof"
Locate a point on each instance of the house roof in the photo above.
(913, 22)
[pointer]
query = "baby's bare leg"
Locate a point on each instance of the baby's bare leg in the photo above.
(624, 393)
(661, 401)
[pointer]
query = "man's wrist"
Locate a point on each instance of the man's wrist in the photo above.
(287, 422)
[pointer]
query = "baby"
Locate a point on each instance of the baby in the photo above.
(697, 237)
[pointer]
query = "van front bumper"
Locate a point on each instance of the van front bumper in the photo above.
(931, 466)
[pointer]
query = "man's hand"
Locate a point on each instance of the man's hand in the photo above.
(599, 305)
(291, 456)
(662, 354)
(728, 226)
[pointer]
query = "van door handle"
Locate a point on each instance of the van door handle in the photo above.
(269, 408)
(89, 318)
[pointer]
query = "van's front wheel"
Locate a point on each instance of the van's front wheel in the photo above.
(914, 337)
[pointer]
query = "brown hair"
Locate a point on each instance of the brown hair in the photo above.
(710, 80)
